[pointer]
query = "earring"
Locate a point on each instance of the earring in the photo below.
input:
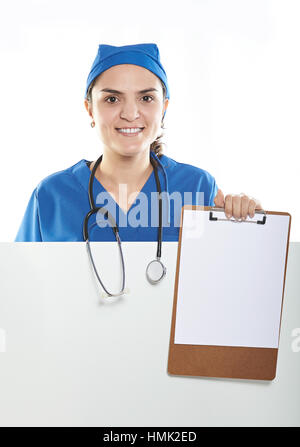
(93, 124)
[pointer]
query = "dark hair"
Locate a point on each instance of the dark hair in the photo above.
(156, 146)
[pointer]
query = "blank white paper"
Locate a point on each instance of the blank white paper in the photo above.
(230, 280)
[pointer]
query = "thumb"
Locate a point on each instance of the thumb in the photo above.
(219, 199)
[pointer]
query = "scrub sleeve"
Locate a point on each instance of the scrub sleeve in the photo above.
(214, 192)
(29, 230)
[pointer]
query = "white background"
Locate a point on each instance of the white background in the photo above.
(233, 69)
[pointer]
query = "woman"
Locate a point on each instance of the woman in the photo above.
(127, 96)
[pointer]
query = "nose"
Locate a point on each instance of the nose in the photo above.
(130, 110)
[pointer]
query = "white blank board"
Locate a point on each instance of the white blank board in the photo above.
(68, 359)
(231, 279)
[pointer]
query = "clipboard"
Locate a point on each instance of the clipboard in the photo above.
(228, 294)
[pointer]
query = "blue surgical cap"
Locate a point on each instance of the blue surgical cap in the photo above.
(144, 54)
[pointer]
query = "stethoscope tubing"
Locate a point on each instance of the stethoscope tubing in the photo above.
(97, 275)
(115, 229)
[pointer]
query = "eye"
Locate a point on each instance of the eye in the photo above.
(148, 96)
(110, 98)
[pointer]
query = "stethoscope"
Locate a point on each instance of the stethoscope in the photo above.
(155, 270)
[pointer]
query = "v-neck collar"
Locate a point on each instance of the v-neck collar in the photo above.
(101, 187)
(83, 174)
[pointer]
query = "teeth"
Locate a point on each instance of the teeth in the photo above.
(137, 129)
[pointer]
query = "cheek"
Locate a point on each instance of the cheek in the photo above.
(156, 123)
(102, 111)
(106, 119)
(153, 118)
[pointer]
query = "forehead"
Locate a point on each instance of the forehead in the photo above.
(129, 76)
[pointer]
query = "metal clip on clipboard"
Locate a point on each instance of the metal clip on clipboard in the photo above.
(259, 222)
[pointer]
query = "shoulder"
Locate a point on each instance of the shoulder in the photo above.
(60, 180)
(184, 178)
(186, 170)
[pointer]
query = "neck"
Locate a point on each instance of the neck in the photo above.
(117, 169)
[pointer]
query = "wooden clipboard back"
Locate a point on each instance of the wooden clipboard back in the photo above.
(221, 361)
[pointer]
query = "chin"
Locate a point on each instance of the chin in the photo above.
(130, 152)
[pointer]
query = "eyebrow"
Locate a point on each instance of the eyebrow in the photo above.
(109, 90)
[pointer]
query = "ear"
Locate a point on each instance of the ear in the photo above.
(88, 108)
(166, 103)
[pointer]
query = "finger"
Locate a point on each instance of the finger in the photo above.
(228, 206)
(244, 206)
(251, 210)
(236, 206)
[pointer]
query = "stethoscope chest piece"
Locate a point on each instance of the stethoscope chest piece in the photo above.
(155, 271)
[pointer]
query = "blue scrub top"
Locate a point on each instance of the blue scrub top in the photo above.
(59, 204)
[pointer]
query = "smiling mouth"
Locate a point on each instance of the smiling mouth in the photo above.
(129, 133)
